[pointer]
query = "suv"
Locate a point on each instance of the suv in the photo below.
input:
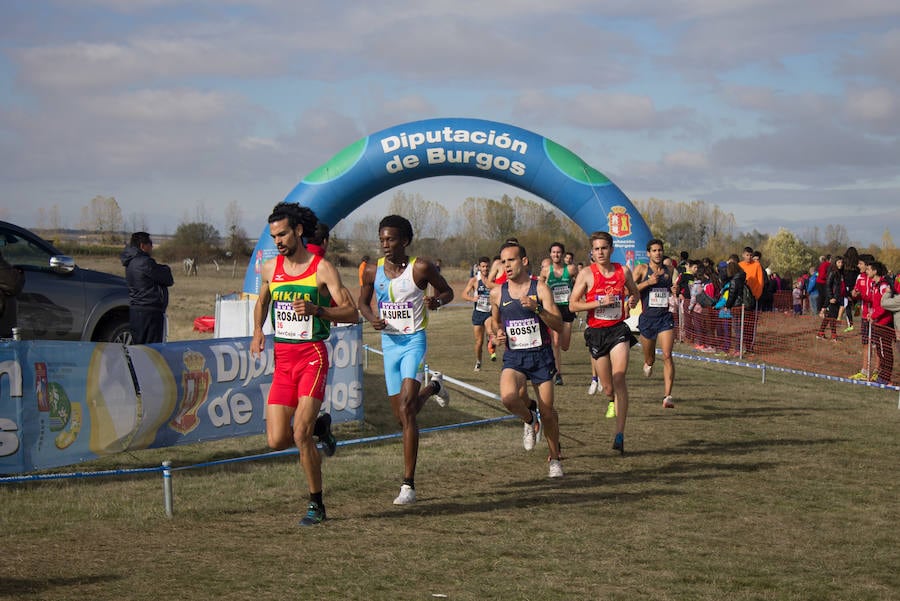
(62, 301)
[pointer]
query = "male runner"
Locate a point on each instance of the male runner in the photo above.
(522, 309)
(300, 287)
(656, 322)
(398, 281)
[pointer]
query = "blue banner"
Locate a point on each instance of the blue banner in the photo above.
(66, 402)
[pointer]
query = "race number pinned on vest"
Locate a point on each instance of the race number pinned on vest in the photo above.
(561, 294)
(611, 312)
(290, 325)
(483, 303)
(659, 297)
(398, 316)
(523, 333)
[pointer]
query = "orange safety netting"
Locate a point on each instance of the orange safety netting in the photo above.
(779, 337)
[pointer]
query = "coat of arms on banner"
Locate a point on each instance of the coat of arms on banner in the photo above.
(194, 389)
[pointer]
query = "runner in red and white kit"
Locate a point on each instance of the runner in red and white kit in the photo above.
(604, 291)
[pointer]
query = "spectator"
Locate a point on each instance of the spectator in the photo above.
(362, 267)
(797, 297)
(822, 280)
(851, 273)
(834, 290)
(882, 322)
(862, 293)
(12, 280)
(148, 289)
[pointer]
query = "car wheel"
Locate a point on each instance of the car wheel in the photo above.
(119, 333)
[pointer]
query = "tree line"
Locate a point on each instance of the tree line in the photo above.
(478, 227)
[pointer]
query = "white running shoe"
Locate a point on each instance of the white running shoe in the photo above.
(595, 385)
(407, 495)
(648, 370)
(442, 396)
(668, 403)
(477, 366)
(556, 470)
(529, 433)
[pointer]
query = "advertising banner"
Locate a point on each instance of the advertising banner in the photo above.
(66, 402)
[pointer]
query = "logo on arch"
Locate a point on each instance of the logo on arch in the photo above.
(619, 222)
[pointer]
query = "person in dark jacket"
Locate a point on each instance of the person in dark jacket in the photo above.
(12, 279)
(148, 289)
(834, 298)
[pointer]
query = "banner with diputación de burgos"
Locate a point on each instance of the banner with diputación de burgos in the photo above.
(63, 403)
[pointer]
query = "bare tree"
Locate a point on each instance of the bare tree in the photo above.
(104, 217)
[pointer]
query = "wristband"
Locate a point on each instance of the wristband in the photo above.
(538, 308)
(318, 311)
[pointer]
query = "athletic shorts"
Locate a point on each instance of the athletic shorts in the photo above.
(404, 357)
(301, 370)
(651, 325)
(600, 341)
(538, 364)
(479, 317)
(567, 315)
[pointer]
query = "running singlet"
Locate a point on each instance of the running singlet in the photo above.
(524, 329)
(401, 304)
(655, 300)
(483, 303)
(289, 325)
(560, 286)
(604, 317)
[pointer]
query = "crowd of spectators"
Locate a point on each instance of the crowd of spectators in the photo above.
(718, 304)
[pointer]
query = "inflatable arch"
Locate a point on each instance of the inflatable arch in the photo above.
(470, 147)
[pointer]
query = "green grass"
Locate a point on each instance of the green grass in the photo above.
(782, 490)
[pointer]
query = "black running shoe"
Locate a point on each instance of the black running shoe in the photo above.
(315, 514)
(322, 431)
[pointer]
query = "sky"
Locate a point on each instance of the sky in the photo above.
(785, 114)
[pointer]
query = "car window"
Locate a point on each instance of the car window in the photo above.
(19, 251)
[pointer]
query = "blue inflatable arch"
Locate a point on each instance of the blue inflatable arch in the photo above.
(469, 147)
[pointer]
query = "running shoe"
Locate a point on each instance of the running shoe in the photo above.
(477, 366)
(592, 389)
(530, 432)
(619, 443)
(668, 403)
(442, 396)
(407, 495)
(848, 329)
(493, 356)
(611, 410)
(556, 470)
(315, 514)
(860, 375)
(648, 370)
(322, 431)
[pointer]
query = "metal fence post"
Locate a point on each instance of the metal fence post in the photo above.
(167, 487)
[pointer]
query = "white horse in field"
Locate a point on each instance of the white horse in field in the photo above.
(190, 267)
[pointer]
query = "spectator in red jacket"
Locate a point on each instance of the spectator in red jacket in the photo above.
(882, 323)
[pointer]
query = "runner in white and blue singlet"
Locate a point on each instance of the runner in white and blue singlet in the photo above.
(399, 282)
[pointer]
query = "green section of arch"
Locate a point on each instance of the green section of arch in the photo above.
(571, 164)
(339, 164)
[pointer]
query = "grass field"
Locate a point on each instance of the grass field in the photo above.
(782, 490)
